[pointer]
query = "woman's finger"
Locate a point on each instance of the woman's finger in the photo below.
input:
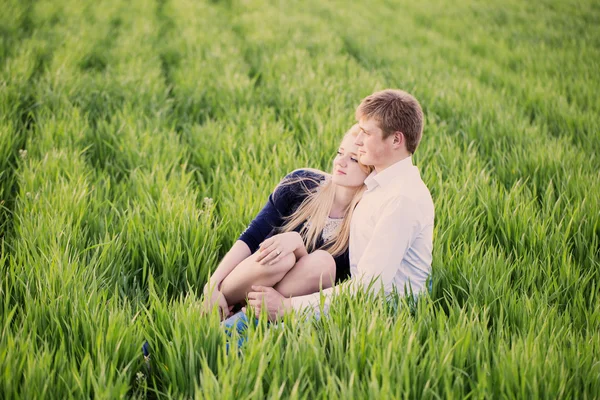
(278, 258)
(261, 254)
(269, 254)
(266, 243)
(272, 255)
(265, 252)
(224, 313)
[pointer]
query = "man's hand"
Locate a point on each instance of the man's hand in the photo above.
(215, 297)
(271, 300)
(275, 248)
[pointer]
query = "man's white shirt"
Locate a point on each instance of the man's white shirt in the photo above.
(391, 236)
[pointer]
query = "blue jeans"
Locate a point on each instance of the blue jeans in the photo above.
(239, 323)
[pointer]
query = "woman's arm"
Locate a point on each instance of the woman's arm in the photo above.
(279, 246)
(272, 215)
(212, 290)
(269, 217)
(247, 243)
(238, 253)
(285, 199)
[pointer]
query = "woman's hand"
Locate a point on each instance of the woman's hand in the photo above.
(212, 297)
(276, 247)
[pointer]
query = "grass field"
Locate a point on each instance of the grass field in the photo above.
(138, 139)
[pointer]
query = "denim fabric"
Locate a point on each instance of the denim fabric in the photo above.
(239, 323)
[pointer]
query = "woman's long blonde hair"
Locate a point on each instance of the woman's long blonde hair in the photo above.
(316, 208)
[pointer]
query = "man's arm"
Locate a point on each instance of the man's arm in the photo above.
(400, 223)
(398, 226)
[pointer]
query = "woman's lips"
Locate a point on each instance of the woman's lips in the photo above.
(340, 172)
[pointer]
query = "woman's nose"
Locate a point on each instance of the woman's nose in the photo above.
(341, 161)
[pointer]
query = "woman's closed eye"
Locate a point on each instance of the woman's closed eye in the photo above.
(339, 153)
(353, 159)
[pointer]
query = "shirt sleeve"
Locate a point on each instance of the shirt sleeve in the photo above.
(381, 263)
(288, 194)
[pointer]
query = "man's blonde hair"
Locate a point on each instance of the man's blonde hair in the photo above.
(395, 111)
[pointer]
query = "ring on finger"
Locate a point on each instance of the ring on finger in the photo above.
(278, 252)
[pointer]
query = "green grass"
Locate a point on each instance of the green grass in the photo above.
(138, 139)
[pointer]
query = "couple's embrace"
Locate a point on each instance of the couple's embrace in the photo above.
(367, 225)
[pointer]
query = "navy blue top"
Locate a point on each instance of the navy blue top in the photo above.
(281, 204)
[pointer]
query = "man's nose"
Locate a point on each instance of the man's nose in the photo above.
(359, 139)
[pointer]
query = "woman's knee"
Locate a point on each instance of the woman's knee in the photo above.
(322, 266)
(279, 268)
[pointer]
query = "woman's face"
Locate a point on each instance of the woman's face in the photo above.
(346, 169)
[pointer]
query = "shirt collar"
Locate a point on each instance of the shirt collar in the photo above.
(391, 173)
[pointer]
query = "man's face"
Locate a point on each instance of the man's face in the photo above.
(373, 149)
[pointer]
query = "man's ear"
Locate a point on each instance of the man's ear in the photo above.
(398, 139)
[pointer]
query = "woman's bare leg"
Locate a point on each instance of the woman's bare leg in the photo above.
(307, 276)
(238, 283)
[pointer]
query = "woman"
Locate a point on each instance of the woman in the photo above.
(298, 243)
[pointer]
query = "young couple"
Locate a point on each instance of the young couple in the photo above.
(370, 221)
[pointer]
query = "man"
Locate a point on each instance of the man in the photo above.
(392, 228)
